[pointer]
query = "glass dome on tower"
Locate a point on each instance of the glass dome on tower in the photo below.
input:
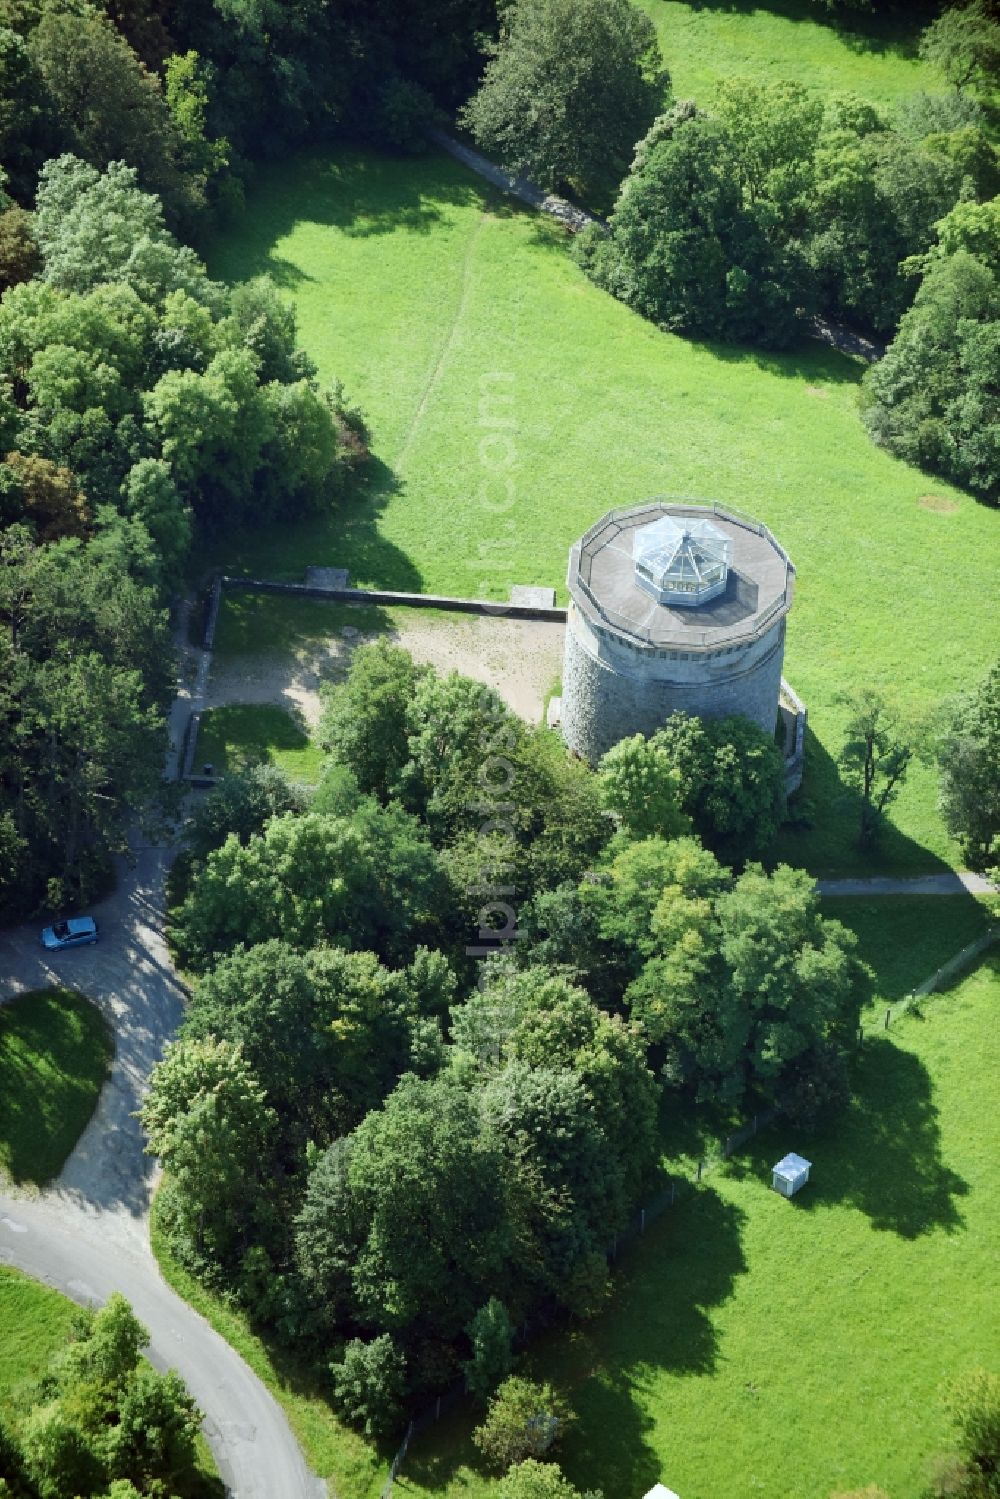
(682, 562)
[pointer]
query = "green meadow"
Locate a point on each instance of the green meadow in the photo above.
(760, 1346)
(55, 1052)
(511, 403)
(738, 1316)
(789, 41)
(243, 734)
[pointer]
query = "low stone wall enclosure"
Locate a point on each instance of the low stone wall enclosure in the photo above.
(526, 602)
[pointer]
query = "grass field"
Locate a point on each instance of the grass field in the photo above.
(254, 733)
(788, 41)
(757, 1346)
(904, 1205)
(35, 1322)
(473, 342)
(907, 938)
(55, 1052)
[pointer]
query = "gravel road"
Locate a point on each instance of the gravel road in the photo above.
(88, 1234)
(69, 1249)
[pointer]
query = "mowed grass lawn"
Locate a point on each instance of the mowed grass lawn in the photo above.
(905, 1185)
(243, 734)
(789, 41)
(55, 1052)
(905, 939)
(511, 403)
(34, 1322)
(758, 1346)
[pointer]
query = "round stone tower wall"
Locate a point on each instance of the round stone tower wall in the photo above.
(614, 687)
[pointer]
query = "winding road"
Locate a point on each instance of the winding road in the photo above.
(88, 1234)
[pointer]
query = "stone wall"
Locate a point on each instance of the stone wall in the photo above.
(610, 691)
(793, 717)
(392, 599)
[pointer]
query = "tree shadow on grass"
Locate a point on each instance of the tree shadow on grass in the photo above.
(346, 535)
(660, 1319)
(907, 938)
(55, 1053)
(664, 1288)
(826, 840)
(896, 32)
(360, 193)
(882, 1156)
(807, 359)
(238, 735)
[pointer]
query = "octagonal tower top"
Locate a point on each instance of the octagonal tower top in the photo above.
(681, 561)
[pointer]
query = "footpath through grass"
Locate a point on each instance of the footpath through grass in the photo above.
(55, 1053)
(511, 403)
(761, 1346)
(243, 734)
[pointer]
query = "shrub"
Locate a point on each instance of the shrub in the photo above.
(532, 1480)
(368, 1384)
(524, 1420)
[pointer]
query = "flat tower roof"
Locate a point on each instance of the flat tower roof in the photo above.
(603, 583)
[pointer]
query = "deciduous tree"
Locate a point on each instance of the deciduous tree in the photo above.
(570, 87)
(875, 758)
(969, 757)
(524, 1420)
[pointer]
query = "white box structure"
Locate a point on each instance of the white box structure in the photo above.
(660, 1491)
(791, 1173)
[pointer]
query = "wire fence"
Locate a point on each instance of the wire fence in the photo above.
(681, 1182)
(941, 976)
(643, 1218)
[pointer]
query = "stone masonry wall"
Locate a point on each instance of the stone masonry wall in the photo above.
(610, 693)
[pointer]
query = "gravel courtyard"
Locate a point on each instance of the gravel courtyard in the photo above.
(520, 658)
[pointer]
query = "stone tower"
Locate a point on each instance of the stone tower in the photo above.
(672, 606)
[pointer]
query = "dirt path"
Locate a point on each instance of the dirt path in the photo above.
(958, 883)
(88, 1233)
(520, 658)
(441, 360)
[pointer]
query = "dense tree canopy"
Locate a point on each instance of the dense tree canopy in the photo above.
(738, 984)
(730, 781)
(684, 247)
(568, 90)
(84, 672)
(371, 880)
(138, 400)
(932, 399)
(327, 1032)
(739, 221)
